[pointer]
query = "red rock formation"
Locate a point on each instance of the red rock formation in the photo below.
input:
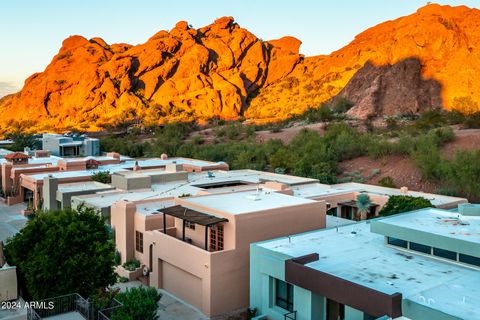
(224, 70)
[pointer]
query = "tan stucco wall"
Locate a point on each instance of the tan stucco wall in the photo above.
(8, 284)
(224, 275)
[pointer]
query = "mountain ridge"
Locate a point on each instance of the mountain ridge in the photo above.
(223, 70)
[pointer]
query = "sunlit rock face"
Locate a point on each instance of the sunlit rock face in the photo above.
(222, 70)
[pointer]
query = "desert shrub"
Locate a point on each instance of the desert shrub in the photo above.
(352, 176)
(344, 141)
(399, 204)
(102, 177)
(378, 148)
(472, 121)
(342, 105)
(430, 119)
(169, 139)
(129, 146)
(426, 156)
(138, 304)
(321, 114)
(234, 131)
(442, 135)
(387, 182)
(461, 173)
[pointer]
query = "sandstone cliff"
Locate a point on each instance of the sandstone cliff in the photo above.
(224, 70)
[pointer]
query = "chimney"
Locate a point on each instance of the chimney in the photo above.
(50, 187)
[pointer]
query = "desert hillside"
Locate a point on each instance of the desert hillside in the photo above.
(423, 60)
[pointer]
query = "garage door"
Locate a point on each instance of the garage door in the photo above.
(182, 284)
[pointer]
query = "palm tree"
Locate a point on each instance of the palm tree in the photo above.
(363, 206)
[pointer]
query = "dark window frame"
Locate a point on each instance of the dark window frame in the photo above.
(445, 254)
(280, 301)
(397, 242)
(470, 260)
(418, 247)
(139, 241)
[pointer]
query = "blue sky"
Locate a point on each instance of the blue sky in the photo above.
(32, 30)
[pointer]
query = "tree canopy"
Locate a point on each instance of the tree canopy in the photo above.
(61, 252)
(399, 204)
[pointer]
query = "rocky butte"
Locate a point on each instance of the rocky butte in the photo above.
(427, 59)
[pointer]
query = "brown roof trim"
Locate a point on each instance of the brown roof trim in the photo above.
(370, 301)
(193, 216)
(16, 155)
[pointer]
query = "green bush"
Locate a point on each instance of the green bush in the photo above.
(138, 304)
(461, 173)
(399, 204)
(102, 177)
(131, 265)
(117, 258)
(129, 146)
(387, 182)
(342, 105)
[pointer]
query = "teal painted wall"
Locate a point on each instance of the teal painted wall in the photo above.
(265, 265)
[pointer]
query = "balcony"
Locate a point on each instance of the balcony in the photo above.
(212, 243)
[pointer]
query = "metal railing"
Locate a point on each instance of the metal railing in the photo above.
(106, 313)
(291, 315)
(58, 305)
(32, 314)
(70, 303)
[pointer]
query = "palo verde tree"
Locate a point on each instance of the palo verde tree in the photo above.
(61, 252)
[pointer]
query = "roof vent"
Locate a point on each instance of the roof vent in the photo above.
(254, 197)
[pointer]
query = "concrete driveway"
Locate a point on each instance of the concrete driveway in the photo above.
(11, 220)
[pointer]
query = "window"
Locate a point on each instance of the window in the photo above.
(445, 254)
(332, 211)
(139, 241)
(397, 242)
(284, 295)
(189, 225)
(335, 310)
(216, 238)
(420, 248)
(465, 258)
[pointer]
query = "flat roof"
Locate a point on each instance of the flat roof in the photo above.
(44, 160)
(107, 198)
(150, 208)
(355, 254)
(441, 222)
(247, 201)
(62, 174)
(98, 158)
(315, 190)
(82, 186)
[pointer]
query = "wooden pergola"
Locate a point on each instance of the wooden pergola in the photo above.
(191, 216)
